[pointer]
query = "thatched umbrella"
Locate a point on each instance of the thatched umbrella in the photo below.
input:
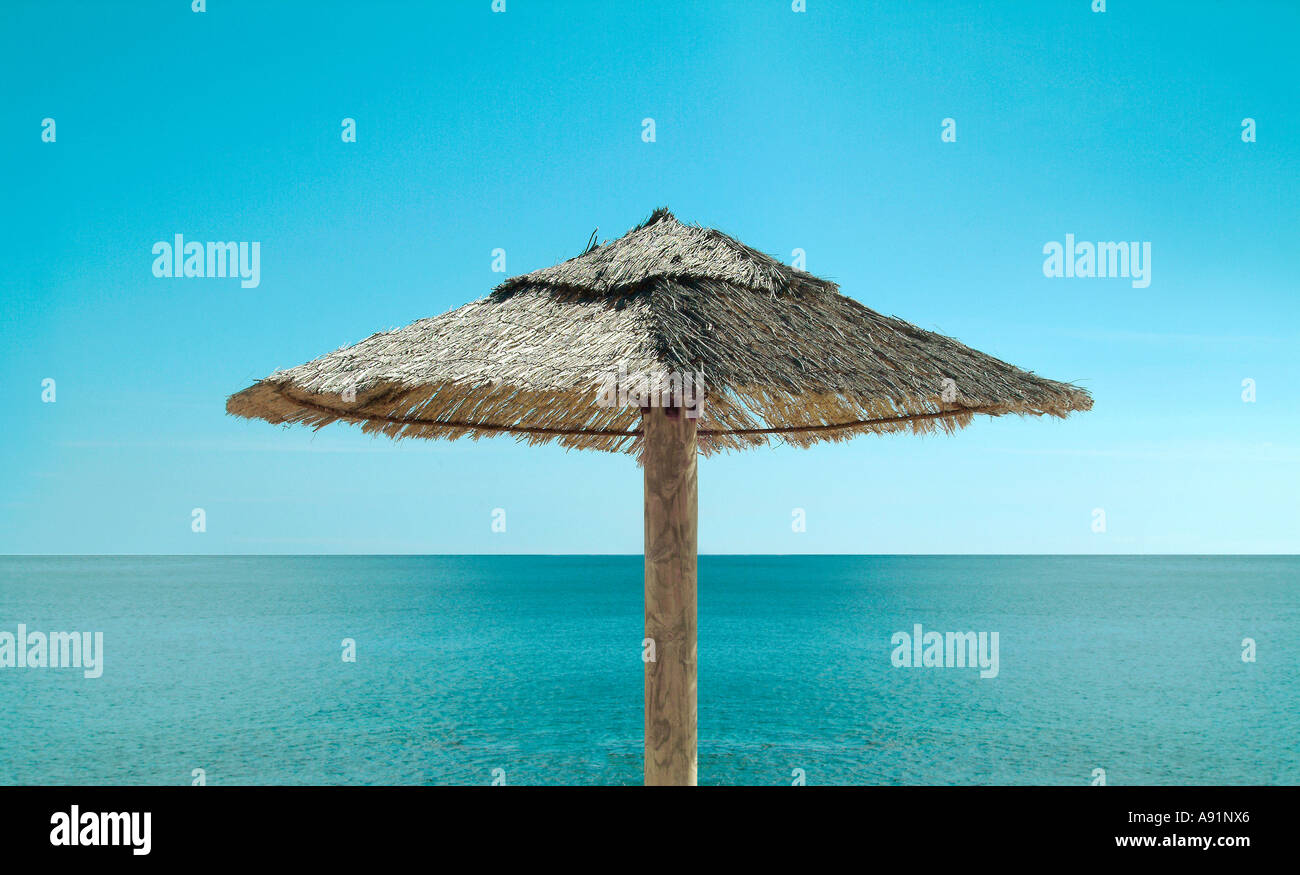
(580, 354)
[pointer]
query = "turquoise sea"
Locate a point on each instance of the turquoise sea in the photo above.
(532, 665)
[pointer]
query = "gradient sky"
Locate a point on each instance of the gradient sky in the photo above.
(522, 130)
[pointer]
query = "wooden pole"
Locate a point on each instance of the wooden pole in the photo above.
(670, 545)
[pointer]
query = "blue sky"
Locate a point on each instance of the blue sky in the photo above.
(816, 130)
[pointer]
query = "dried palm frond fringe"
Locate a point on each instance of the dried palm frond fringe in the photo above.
(783, 356)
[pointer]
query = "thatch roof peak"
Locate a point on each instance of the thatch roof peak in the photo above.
(781, 352)
(660, 214)
(662, 247)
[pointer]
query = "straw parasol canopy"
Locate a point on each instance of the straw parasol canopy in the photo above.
(671, 342)
(781, 354)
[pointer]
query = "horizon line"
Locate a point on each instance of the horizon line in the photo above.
(614, 555)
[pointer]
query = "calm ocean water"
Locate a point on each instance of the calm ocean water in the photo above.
(532, 665)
